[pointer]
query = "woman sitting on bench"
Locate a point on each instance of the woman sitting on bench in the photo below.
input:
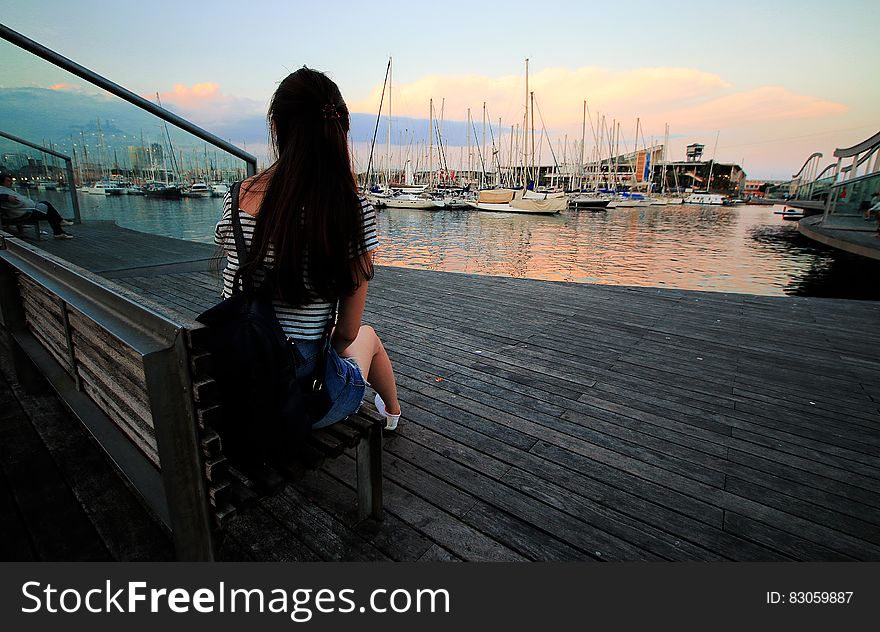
(17, 208)
(306, 223)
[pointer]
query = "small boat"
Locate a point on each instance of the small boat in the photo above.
(162, 190)
(705, 198)
(790, 213)
(589, 202)
(105, 187)
(407, 200)
(197, 190)
(219, 189)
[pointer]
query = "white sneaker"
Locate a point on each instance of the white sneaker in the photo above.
(63, 236)
(66, 222)
(390, 420)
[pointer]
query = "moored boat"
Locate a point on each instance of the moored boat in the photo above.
(407, 200)
(510, 201)
(705, 198)
(197, 190)
(162, 190)
(105, 187)
(219, 189)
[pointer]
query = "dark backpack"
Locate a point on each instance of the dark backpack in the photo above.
(267, 409)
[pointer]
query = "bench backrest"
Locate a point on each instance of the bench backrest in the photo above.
(122, 365)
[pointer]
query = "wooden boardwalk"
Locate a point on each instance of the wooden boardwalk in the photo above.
(552, 421)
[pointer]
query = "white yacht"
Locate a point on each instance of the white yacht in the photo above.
(407, 200)
(219, 189)
(198, 190)
(105, 187)
(705, 198)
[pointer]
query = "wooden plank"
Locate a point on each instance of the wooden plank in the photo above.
(786, 543)
(133, 426)
(394, 538)
(50, 332)
(324, 534)
(113, 381)
(87, 333)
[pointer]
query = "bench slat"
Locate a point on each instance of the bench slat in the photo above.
(115, 350)
(120, 385)
(134, 427)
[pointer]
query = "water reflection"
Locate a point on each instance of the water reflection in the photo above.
(729, 249)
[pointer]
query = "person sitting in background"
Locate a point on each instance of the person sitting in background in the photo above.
(15, 206)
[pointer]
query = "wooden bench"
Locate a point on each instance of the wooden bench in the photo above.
(236, 485)
(130, 371)
(20, 223)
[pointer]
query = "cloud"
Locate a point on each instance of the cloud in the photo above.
(760, 105)
(686, 98)
(66, 87)
(206, 105)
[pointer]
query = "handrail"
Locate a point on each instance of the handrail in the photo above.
(806, 162)
(68, 163)
(828, 168)
(849, 152)
(861, 160)
(92, 77)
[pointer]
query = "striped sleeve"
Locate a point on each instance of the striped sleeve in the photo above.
(369, 227)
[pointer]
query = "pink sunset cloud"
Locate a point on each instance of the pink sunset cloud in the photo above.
(206, 104)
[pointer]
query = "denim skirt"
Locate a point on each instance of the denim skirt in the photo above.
(342, 378)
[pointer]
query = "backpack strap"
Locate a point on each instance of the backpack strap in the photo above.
(238, 235)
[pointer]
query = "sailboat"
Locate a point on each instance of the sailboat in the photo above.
(515, 201)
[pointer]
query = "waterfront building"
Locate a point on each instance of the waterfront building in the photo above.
(758, 188)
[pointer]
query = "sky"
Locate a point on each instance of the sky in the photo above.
(772, 81)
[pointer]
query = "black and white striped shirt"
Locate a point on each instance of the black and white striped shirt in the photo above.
(302, 323)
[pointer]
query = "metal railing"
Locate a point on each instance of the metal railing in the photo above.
(176, 490)
(67, 161)
(848, 180)
(95, 79)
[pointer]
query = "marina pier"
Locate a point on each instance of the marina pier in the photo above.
(542, 421)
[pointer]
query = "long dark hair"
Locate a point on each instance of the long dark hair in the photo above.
(311, 212)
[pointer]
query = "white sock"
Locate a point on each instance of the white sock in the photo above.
(390, 420)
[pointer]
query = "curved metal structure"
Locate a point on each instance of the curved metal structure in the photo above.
(816, 155)
(849, 152)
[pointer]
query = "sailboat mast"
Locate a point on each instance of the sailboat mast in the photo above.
(470, 157)
(526, 133)
(582, 167)
(430, 143)
(636, 152)
(388, 141)
(665, 145)
(535, 174)
(483, 144)
(712, 164)
(510, 161)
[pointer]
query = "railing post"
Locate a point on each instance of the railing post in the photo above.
(179, 450)
(71, 183)
(832, 192)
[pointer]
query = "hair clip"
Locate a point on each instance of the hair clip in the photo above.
(330, 111)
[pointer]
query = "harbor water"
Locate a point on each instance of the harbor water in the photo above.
(743, 248)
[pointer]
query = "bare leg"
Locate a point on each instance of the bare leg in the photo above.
(367, 350)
